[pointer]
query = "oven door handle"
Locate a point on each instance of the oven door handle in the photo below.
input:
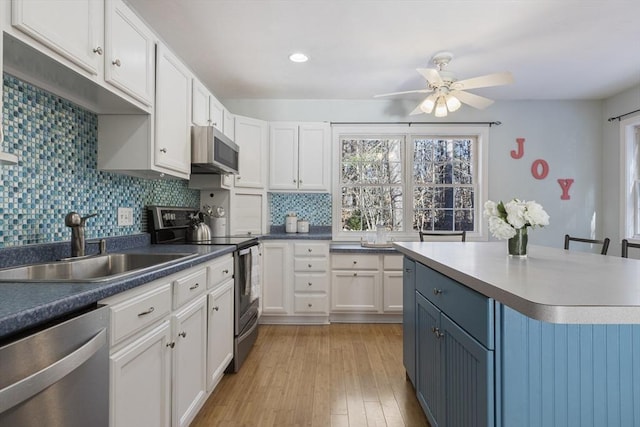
(251, 329)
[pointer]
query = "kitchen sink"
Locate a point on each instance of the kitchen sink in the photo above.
(91, 269)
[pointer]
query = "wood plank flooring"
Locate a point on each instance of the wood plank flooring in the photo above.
(338, 375)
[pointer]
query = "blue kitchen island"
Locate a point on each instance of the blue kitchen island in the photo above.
(552, 339)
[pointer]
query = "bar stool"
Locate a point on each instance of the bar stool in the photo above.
(461, 234)
(604, 242)
(625, 247)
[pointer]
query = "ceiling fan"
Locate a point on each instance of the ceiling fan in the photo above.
(448, 93)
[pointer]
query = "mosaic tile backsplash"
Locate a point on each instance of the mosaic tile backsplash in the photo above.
(56, 142)
(313, 207)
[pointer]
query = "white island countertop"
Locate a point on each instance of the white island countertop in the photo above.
(550, 284)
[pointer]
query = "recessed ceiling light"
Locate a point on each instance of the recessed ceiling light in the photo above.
(298, 57)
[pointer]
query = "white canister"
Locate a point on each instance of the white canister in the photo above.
(291, 223)
(218, 226)
(303, 226)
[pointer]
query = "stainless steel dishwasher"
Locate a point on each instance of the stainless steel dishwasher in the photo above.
(58, 376)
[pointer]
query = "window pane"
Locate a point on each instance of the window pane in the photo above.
(464, 219)
(464, 198)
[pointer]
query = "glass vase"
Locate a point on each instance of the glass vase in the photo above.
(518, 243)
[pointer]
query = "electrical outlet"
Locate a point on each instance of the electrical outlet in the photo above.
(125, 216)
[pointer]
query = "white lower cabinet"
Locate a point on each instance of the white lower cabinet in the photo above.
(164, 362)
(276, 277)
(140, 384)
(356, 291)
(189, 361)
(220, 332)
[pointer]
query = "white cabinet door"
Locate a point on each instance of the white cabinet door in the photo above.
(140, 384)
(216, 113)
(276, 279)
(314, 157)
(220, 333)
(355, 291)
(189, 361)
(251, 136)
(199, 103)
(248, 212)
(392, 291)
(73, 29)
(229, 125)
(283, 156)
(129, 52)
(172, 113)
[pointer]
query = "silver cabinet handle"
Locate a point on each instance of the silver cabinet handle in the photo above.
(98, 50)
(24, 389)
(116, 62)
(144, 313)
(408, 270)
(194, 286)
(182, 334)
(437, 291)
(437, 333)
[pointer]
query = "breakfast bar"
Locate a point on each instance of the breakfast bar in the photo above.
(552, 338)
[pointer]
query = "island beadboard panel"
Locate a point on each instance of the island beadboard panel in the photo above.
(56, 142)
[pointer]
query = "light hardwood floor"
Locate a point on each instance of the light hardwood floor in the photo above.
(338, 375)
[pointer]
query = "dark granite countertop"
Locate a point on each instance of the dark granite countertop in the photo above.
(26, 305)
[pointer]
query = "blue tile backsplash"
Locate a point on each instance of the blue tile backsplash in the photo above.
(313, 207)
(56, 142)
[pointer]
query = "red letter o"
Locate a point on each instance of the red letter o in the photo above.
(535, 169)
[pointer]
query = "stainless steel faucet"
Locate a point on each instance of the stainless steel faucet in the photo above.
(76, 222)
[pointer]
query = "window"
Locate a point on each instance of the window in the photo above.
(630, 178)
(409, 178)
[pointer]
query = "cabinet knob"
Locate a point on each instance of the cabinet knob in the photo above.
(309, 265)
(98, 50)
(225, 271)
(182, 334)
(355, 274)
(171, 344)
(294, 181)
(437, 291)
(310, 305)
(355, 262)
(215, 124)
(216, 308)
(194, 286)
(300, 181)
(310, 284)
(163, 150)
(309, 250)
(437, 333)
(116, 62)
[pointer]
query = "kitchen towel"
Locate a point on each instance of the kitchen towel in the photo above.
(255, 272)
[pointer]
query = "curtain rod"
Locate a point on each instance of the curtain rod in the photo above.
(494, 123)
(610, 119)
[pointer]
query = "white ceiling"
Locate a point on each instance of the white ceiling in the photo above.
(556, 49)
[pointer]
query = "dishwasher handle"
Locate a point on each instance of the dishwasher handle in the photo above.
(28, 387)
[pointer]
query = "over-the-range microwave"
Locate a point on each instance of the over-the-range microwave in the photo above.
(212, 152)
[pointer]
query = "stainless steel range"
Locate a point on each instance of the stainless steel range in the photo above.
(170, 225)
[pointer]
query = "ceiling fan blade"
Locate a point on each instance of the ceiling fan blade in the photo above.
(496, 79)
(476, 101)
(432, 75)
(403, 92)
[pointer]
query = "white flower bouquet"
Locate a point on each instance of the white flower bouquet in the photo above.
(506, 218)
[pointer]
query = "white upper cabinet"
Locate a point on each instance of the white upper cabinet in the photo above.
(251, 136)
(199, 103)
(71, 28)
(229, 125)
(300, 156)
(216, 113)
(172, 114)
(129, 52)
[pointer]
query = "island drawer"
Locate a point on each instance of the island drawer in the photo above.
(471, 310)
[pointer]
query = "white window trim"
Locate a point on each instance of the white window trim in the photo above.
(629, 191)
(480, 132)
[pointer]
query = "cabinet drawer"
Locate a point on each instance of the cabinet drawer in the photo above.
(140, 311)
(354, 262)
(311, 282)
(392, 262)
(310, 264)
(220, 271)
(189, 287)
(311, 249)
(468, 308)
(310, 303)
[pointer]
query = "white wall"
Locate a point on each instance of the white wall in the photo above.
(622, 103)
(567, 134)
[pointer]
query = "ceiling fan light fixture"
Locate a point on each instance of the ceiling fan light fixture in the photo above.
(453, 103)
(428, 104)
(441, 108)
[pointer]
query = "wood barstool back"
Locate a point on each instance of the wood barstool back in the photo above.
(604, 242)
(461, 234)
(625, 247)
